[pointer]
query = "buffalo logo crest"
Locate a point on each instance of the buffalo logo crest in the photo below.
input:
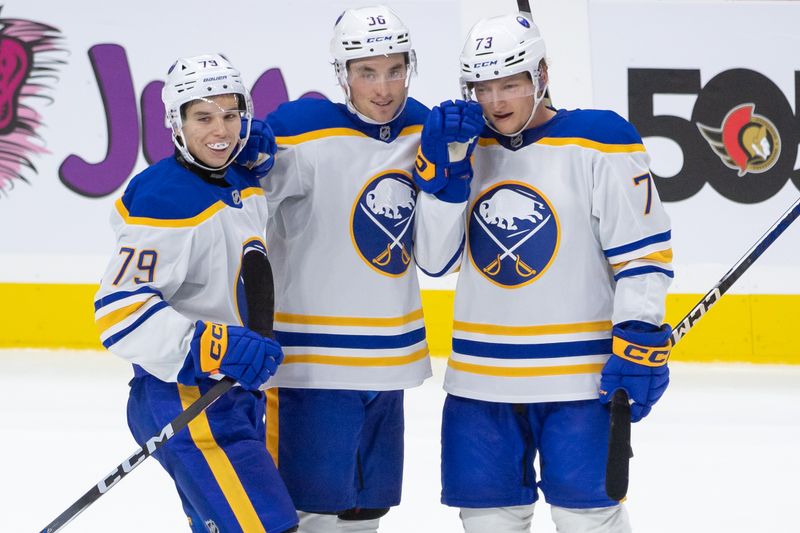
(383, 220)
(745, 142)
(513, 234)
(28, 67)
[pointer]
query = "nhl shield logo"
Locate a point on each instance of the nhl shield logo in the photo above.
(382, 221)
(513, 234)
(745, 142)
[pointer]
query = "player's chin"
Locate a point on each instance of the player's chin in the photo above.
(216, 158)
(384, 112)
(507, 125)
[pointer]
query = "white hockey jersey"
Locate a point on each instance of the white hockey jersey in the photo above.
(565, 236)
(342, 207)
(180, 244)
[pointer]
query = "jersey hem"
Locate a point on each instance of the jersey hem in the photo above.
(380, 387)
(488, 397)
(488, 504)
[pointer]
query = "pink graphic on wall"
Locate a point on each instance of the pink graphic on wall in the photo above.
(29, 63)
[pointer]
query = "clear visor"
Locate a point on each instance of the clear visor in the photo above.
(368, 76)
(211, 111)
(487, 92)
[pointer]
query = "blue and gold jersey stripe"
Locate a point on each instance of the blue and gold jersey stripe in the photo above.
(526, 372)
(338, 360)
(545, 329)
(336, 132)
(190, 222)
(321, 320)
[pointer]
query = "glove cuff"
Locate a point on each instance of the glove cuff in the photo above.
(209, 344)
(459, 176)
(426, 174)
(647, 348)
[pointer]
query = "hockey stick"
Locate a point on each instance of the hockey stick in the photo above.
(619, 444)
(153, 444)
(256, 272)
(524, 7)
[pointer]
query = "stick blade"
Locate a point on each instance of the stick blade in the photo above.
(619, 447)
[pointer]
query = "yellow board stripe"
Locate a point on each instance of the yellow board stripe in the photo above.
(196, 220)
(336, 132)
(43, 315)
(220, 465)
(115, 317)
(348, 321)
(355, 361)
(273, 425)
(525, 372)
(549, 329)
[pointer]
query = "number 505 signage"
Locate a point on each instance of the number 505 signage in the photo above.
(736, 62)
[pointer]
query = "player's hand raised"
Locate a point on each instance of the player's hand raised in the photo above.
(258, 154)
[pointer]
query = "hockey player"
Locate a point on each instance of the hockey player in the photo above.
(560, 296)
(348, 313)
(190, 268)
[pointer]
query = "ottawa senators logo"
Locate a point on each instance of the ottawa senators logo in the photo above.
(513, 234)
(745, 142)
(382, 222)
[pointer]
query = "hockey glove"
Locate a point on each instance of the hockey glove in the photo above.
(638, 365)
(234, 351)
(258, 154)
(443, 165)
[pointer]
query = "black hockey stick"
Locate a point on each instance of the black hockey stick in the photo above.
(524, 7)
(153, 444)
(619, 443)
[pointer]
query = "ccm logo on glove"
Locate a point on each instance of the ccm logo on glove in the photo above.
(213, 345)
(643, 355)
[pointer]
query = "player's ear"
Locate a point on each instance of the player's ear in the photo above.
(543, 75)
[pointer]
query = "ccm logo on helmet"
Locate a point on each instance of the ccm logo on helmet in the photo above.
(379, 39)
(484, 64)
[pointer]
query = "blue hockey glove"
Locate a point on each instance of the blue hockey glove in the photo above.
(443, 166)
(258, 154)
(638, 365)
(234, 351)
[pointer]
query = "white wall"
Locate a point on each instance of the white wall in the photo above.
(48, 233)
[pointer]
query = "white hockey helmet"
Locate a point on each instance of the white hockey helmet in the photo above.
(368, 32)
(499, 47)
(198, 78)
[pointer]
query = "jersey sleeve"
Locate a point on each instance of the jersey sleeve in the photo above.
(439, 235)
(634, 231)
(132, 312)
(290, 177)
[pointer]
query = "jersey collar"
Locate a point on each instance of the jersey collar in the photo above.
(527, 137)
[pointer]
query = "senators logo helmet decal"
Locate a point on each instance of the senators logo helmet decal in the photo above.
(382, 222)
(745, 142)
(513, 234)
